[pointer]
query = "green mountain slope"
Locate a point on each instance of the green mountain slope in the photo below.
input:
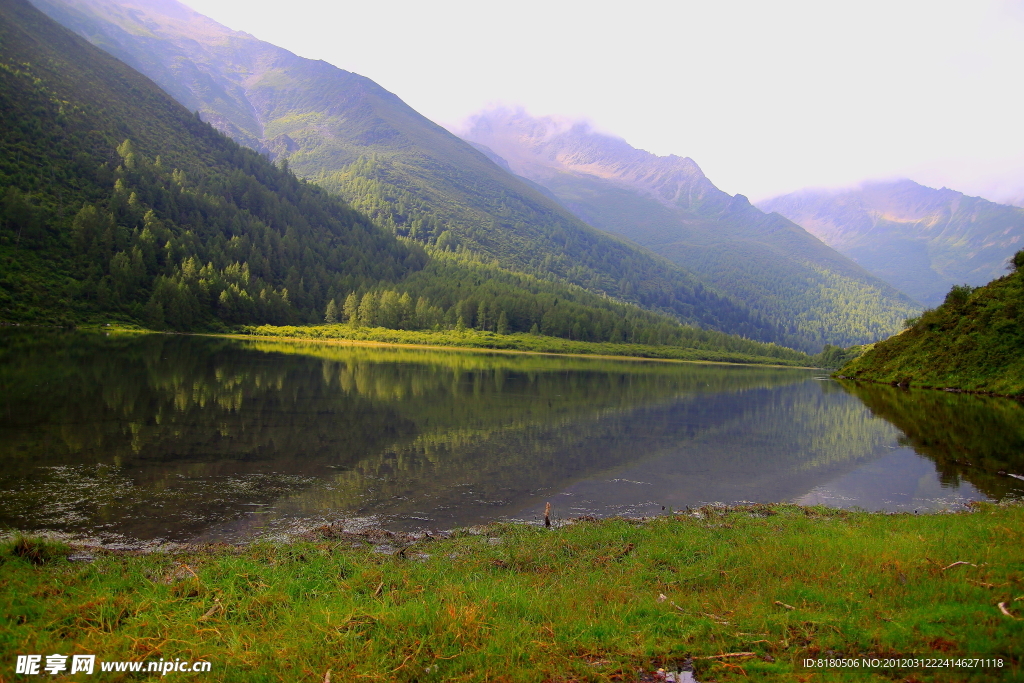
(669, 206)
(920, 240)
(350, 135)
(117, 199)
(117, 203)
(974, 341)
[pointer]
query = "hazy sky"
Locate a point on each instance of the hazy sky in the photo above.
(767, 97)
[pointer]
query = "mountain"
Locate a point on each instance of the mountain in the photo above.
(974, 341)
(411, 176)
(919, 239)
(117, 203)
(668, 205)
(116, 199)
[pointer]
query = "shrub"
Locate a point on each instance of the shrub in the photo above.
(958, 296)
(1017, 261)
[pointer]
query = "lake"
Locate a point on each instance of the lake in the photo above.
(128, 437)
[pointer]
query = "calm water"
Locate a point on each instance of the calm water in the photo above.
(190, 438)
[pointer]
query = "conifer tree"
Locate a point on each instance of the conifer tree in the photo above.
(351, 309)
(368, 310)
(332, 313)
(481, 316)
(405, 312)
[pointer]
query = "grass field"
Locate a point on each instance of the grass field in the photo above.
(743, 593)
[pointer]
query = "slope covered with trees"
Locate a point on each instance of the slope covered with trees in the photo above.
(115, 198)
(974, 341)
(117, 203)
(410, 175)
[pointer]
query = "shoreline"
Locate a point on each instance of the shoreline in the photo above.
(338, 528)
(479, 349)
(760, 361)
(951, 390)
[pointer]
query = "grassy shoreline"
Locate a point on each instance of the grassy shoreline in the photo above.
(483, 349)
(767, 585)
(518, 342)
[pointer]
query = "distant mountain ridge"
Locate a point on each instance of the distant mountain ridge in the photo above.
(919, 239)
(545, 147)
(668, 205)
(413, 177)
(234, 80)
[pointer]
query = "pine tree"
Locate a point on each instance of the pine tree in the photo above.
(368, 310)
(481, 317)
(332, 313)
(406, 312)
(388, 309)
(351, 309)
(503, 323)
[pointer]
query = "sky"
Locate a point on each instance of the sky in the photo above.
(767, 97)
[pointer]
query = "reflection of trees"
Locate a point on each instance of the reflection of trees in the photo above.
(967, 436)
(386, 429)
(175, 414)
(173, 398)
(781, 438)
(161, 398)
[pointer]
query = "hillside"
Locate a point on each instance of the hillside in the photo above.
(116, 199)
(974, 341)
(116, 203)
(667, 205)
(920, 240)
(411, 176)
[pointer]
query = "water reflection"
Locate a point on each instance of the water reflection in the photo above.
(161, 436)
(974, 439)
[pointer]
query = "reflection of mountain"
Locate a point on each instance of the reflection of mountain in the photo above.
(161, 435)
(968, 437)
(765, 443)
(770, 444)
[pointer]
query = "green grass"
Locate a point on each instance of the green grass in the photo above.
(521, 341)
(590, 601)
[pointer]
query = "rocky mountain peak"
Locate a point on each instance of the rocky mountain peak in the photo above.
(538, 147)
